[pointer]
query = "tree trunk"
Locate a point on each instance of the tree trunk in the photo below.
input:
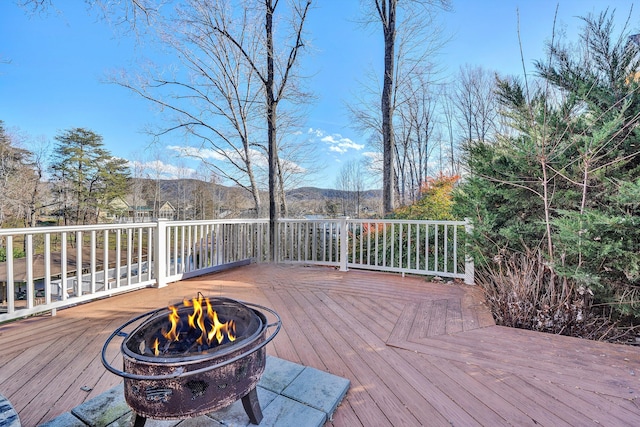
(255, 191)
(281, 194)
(271, 126)
(388, 12)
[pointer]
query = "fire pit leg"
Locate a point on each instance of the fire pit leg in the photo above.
(139, 421)
(252, 406)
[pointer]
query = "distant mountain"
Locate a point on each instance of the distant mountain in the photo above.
(303, 193)
(238, 202)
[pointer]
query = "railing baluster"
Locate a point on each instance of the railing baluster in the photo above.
(118, 256)
(437, 249)
(408, 263)
(377, 243)
(47, 269)
(417, 255)
(129, 255)
(92, 251)
(205, 246)
(11, 293)
(190, 249)
(139, 232)
(383, 261)
(299, 234)
(78, 290)
(446, 249)
(105, 264)
(182, 252)
(150, 259)
(393, 244)
(29, 266)
(426, 247)
(455, 249)
(314, 242)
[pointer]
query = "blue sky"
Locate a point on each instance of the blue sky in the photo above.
(53, 69)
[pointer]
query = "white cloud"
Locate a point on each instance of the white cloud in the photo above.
(347, 143)
(337, 143)
(200, 153)
(337, 149)
(329, 139)
(159, 168)
(258, 157)
(316, 132)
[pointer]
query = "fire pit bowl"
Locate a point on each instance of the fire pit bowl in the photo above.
(172, 371)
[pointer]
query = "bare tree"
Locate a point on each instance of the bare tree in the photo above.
(351, 183)
(447, 108)
(275, 77)
(21, 172)
(476, 103)
(39, 154)
(217, 102)
(412, 22)
(415, 138)
(206, 195)
(129, 12)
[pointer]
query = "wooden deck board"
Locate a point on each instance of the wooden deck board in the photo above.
(366, 363)
(416, 353)
(466, 378)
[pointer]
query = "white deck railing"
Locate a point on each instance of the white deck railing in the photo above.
(435, 248)
(47, 268)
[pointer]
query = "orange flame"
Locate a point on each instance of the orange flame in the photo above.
(212, 331)
(219, 329)
(174, 318)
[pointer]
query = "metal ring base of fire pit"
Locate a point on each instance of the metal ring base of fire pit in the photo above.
(184, 386)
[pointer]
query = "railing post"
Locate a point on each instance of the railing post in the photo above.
(344, 243)
(469, 268)
(160, 253)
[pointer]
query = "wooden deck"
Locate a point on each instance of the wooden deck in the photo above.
(416, 353)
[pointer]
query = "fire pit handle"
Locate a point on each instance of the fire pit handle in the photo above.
(179, 372)
(120, 333)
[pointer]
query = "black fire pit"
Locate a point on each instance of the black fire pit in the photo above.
(175, 371)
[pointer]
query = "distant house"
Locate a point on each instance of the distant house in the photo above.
(118, 208)
(141, 213)
(165, 210)
(122, 211)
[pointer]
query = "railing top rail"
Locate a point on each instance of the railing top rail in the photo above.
(63, 228)
(125, 226)
(221, 221)
(376, 221)
(308, 220)
(406, 221)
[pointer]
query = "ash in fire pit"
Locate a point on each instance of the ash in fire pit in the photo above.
(194, 358)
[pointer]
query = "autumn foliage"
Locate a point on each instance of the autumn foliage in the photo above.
(435, 201)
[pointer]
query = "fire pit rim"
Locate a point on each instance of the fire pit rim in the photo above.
(180, 370)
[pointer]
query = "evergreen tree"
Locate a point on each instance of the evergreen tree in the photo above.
(563, 179)
(86, 176)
